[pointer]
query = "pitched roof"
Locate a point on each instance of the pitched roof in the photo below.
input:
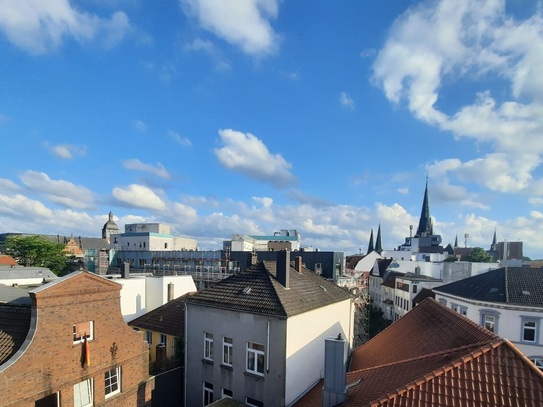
(511, 285)
(6, 260)
(167, 319)
(390, 279)
(437, 357)
(382, 266)
(257, 290)
(14, 326)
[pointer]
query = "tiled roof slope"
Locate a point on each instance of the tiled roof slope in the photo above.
(256, 290)
(167, 319)
(472, 368)
(511, 285)
(14, 326)
(428, 328)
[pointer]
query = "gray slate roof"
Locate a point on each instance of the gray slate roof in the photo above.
(511, 285)
(256, 290)
(22, 273)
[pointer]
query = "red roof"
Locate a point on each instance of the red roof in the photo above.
(6, 260)
(434, 357)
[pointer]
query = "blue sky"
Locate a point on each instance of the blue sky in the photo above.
(251, 116)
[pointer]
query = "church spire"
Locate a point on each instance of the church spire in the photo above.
(370, 244)
(378, 241)
(456, 242)
(425, 228)
(494, 245)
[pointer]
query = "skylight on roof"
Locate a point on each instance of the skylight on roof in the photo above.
(524, 292)
(246, 290)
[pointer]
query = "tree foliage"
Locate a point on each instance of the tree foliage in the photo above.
(479, 255)
(36, 251)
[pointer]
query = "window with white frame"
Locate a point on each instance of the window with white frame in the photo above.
(207, 393)
(227, 393)
(163, 339)
(489, 322)
(82, 330)
(228, 349)
(208, 346)
(253, 402)
(463, 310)
(255, 358)
(538, 361)
(490, 319)
(112, 380)
(149, 337)
(83, 393)
(530, 329)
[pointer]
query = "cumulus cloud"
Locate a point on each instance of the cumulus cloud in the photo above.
(472, 41)
(8, 185)
(159, 170)
(184, 141)
(138, 196)
(242, 23)
(139, 125)
(211, 50)
(58, 191)
(67, 151)
(39, 26)
(346, 100)
(247, 154)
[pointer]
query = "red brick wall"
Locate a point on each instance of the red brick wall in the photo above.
(51, 362)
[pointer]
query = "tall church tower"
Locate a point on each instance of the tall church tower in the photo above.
(425, 228)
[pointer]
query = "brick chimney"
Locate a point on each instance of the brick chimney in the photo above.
(283, 268)
(298, 264)
(334, 391)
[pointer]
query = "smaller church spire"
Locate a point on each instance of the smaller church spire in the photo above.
(378, 241)
(370, 244)
(456, 241)
(494, 244)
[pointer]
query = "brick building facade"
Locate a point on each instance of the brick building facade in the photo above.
(78, 351)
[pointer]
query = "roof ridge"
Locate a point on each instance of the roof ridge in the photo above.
(431, 355)
(274, 282)
(478, 351)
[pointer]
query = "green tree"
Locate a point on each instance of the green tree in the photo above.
(36, 251)
(479, 255)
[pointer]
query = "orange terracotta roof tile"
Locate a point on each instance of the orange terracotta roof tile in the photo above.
(434, 357)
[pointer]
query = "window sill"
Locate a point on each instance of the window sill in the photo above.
(257, 376)
(226, 367)
(207, 362)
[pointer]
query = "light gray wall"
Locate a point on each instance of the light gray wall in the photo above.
(243, 328)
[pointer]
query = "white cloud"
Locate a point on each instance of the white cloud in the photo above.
(139, 125)
(346, 100)
(159, 170)
(184, 141)
(138, 196)
(8, 185)
(66, 151)
(58, 191)
(243, 23)
(472, 41)
(245, 153)
(39, 26)
(211, 50)
(20, 206)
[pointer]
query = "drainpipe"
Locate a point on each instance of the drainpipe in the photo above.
(268, 350)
